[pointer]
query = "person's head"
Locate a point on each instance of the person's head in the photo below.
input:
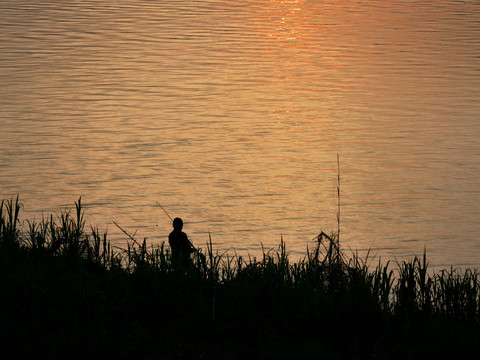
(178, 224)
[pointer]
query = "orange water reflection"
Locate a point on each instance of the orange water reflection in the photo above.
(231, 114)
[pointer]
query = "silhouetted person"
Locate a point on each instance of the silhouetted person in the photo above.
(179, 244)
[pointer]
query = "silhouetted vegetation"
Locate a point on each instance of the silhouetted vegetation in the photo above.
(67, 293)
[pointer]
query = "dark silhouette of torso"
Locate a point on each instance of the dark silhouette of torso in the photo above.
(179, 243)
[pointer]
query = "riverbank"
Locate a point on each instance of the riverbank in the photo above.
(67, 293)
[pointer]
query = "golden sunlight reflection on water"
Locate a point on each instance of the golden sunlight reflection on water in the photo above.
(231, 115)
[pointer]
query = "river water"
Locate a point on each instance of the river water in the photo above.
(231, 115)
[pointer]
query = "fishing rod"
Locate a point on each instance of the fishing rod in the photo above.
(165, 211)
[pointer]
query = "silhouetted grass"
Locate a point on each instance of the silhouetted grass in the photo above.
(67, 293)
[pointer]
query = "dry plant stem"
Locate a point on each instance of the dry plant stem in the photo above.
(126, 233)
(338, 207)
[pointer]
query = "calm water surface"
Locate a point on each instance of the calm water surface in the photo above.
(231, 115)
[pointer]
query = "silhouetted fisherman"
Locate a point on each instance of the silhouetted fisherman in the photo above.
(179, 244)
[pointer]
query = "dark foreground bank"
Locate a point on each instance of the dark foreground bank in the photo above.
(66, 293)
